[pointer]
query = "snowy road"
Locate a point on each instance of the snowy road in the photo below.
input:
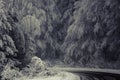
(92, 73)
(81, 70)
(81, 74)
(59, 76)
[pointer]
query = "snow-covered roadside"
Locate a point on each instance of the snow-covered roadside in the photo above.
(59, 76)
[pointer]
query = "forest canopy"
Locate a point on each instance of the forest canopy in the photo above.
(82, 33)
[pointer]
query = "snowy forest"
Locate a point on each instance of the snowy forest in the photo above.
(36, 34)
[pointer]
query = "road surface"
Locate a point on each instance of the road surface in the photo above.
(80, 74)
(91, 73)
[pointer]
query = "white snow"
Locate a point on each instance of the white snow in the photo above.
(59, 76)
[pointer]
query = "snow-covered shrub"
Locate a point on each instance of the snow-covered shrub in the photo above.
(10, 74)
(35, 66)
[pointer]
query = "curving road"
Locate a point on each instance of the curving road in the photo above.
(91, 73)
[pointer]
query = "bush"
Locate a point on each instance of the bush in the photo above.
(10, 74)
(35, 66)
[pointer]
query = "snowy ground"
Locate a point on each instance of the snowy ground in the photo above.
(59, 76)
